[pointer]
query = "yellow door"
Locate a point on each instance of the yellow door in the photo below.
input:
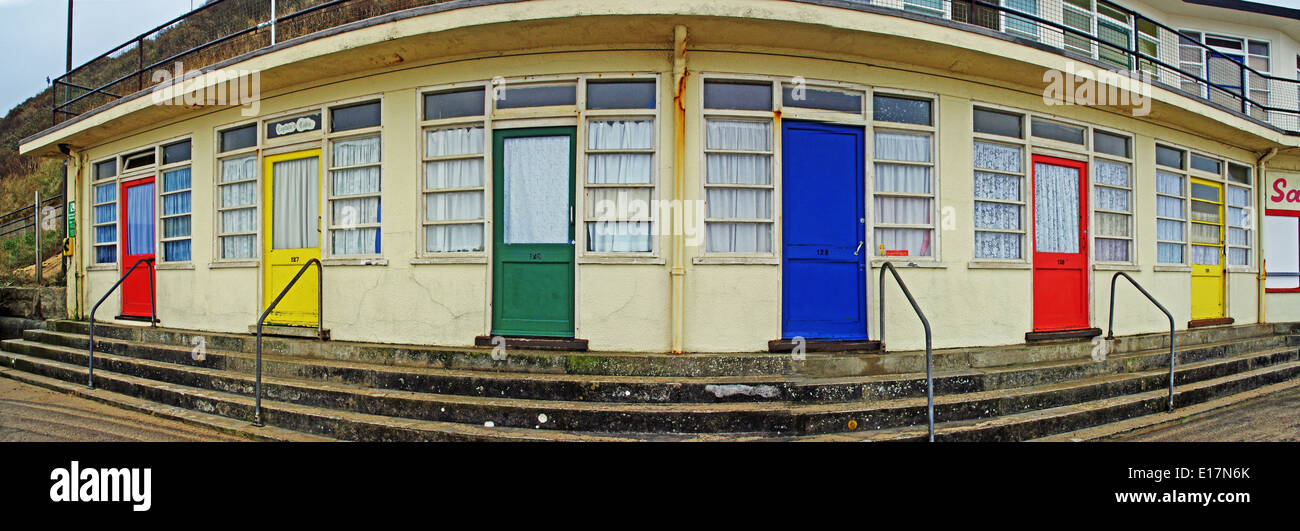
(1207, 249)
(292, 235)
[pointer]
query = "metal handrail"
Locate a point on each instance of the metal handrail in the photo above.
(929, 353)
(153, 312)
(1110, 334)
(320, 304)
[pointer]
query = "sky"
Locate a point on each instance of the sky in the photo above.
(33, 34)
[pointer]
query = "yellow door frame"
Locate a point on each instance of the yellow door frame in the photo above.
(1208, 280)
(299, 307)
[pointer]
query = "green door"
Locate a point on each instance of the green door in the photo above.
(532, 226)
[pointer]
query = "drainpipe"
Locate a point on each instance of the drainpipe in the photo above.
(1259, 229)
(678, 272)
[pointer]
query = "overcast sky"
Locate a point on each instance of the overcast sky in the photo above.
(33, 33)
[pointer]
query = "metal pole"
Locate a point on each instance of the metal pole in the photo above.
(274, 17)
(67, 71)
(36, 226)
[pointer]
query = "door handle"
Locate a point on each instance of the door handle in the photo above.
(855, 251)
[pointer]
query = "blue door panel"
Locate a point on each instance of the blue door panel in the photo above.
(824, 279)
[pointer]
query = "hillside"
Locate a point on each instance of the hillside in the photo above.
(20, 175)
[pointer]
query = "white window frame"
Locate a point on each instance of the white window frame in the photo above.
(253, 151)
(601, 115)
(1132, 196)
(327, 177)
(773, 154)
(1024, 145)
(485, 153)
(163, 169)
(1185, 198)
(870, 163)
(95, 183)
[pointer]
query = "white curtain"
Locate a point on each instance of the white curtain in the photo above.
(235, 195)
(915, 241)
(1112, 199)
(620, 168)
(1111, 173)
(908, 147)
(1169, 253)
(1169, 184)
(453, 238)
(454, 141)
(997, 216)
(620, 134)
(739, 237)
(997, 186)
(1112, 250)
(736, 168)
(1056, 209)
(536, 171)
(901, 178)
(1202, 233)
(618, 236)
(361, 210)
(448, 206)
(295, 211)
(140, 220)
(738, 135)
(1203, 255)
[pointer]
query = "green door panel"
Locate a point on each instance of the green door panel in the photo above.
(532, 225)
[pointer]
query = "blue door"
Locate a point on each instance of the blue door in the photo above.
(823, 229)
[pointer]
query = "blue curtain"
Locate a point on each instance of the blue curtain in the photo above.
(140, 219)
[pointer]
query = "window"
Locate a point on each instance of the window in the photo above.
(999, 185)
(1057, 131)
(1019, 26)
(453, 189)
(620, 185)
(1282, 254)
(1220, 64)
(105, 223)
(238, 138)
(738, 185)
(106, 169)
(175, 199)
(1240, 215)
(1113, 209)
(354, 196)
(924, 7)
(823, 99)
(138, 160)
(453, 104)
(738, 95)
(537, 96)
(629, 94)
(1171, 208)
(355, 180)
(237, 207)
(972, 13)
(904, 182)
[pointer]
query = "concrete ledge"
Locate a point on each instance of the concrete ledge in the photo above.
(565, 344)
(785, 345)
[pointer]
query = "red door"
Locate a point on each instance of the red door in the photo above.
(1060, 244)
(138, 238)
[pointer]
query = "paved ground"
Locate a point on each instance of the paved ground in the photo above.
(1273, 417)
(33, 414)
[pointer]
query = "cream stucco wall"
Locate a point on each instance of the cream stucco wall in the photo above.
(626, 306)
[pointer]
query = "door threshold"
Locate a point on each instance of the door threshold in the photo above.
(1084, 333)
(1217, 321)
(535, 342)
(308, 332)
(136, 318)
(825, 345)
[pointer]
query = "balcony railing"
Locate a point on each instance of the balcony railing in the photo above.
(1230, 72)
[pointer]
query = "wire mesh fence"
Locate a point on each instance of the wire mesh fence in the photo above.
(1235, 72)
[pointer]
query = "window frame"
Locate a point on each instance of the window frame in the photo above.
(1183, 173)
(596, 115)
(329, 137)
(870, 160)
(95, 183)
(1131, 214)
(422, 253)
(255, 151)
(161, 194)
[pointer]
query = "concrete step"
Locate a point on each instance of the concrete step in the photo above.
(654, 389)
(1075, 417)
(814, 364)
(751, 417)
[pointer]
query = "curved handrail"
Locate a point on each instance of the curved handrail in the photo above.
(153, 313)
(929, 354)
(320, 304)
(1110, 332)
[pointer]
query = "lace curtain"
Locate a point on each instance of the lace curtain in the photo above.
(237, 195)
(295, 210)
(1056, 209)
(739, 203)
(1109, 223)
(359, 210)
(536, 171)
(997, 187)
(451, 206)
